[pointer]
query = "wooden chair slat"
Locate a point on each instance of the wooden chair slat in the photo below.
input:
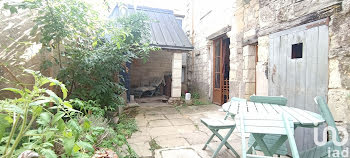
(279, 100)
(217, 123)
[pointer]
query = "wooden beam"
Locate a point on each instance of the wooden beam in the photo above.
(314, 16)
(250, 41)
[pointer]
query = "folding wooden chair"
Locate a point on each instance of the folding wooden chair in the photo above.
(269, 139)
(215, 125)
(261, 125)
(322, 151)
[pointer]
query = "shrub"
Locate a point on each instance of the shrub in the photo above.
(42, 122)
(95, 49)
(89, 107)
(57, 130)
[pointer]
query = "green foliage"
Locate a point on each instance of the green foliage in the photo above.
(195, 95)
(126, 126)
(95, 49)
(56, 130)
(154, 145)
(104, 134)
(123, 130)
(195, 100)
(92, 73)
(36, 125)
(89, 107)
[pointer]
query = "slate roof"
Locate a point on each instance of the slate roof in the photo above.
(165, 31)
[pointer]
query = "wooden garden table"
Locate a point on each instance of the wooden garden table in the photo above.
(300, 118)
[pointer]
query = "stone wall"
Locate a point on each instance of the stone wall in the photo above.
(243, 49)
(202, 19)
(276, 15)
(158, 64)
(18, 49)
(339, 66)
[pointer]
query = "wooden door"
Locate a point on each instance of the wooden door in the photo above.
(298, 70)
(217, 71)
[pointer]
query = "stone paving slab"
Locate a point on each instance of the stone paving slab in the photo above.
(174, 116)
(155, 117)
(142, 149)
(192, 151)
(184, 129)
(159, 123)
(196, 138)
(181, 121)
(178, 131)
(171, 141)
(177, 153)
(139, 139)
(161, 131)
(141, 122)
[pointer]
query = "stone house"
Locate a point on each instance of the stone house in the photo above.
(166, 66)
(295, 48)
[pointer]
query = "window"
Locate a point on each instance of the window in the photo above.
(297, 51)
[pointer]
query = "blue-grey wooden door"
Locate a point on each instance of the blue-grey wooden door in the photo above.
(300, 77)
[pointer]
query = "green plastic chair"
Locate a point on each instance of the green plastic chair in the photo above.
(269, 139)
(259, 126)
(322, 151)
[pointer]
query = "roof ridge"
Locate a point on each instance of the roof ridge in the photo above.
(145, 8)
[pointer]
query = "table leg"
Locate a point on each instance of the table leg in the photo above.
(261, 143)
(278, 143)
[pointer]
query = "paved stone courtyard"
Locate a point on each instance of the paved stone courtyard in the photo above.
(178, 131)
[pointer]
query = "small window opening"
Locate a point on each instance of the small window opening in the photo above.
(297, 51)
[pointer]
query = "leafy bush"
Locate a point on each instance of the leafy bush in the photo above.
(89, 107)
(95, 49)
(113, 136)
(57, 130)
(42, 121)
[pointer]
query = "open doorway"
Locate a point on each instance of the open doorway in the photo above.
(221, 69)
